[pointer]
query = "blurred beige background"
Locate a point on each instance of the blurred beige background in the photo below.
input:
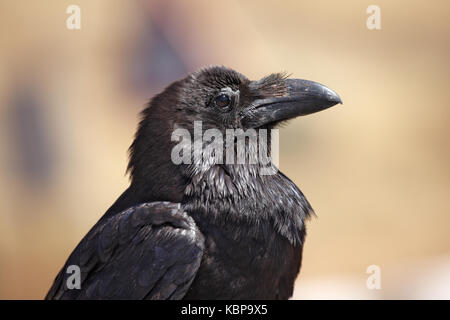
(375, 169)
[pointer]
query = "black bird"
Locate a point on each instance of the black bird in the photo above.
(208, 229)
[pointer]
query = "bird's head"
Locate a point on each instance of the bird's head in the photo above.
(222, 99)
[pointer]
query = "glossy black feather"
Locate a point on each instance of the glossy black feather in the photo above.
(227, 232)
(150, 251)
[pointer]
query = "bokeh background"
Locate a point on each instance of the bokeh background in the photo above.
(375, 169)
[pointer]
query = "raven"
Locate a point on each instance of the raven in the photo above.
(206, 229)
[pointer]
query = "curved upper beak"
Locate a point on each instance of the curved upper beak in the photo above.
(303, 97)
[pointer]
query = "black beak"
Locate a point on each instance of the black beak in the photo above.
(303, 97)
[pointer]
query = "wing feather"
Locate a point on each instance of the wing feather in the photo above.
(150, 251)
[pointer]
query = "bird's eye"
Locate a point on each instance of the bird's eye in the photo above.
(222, 101)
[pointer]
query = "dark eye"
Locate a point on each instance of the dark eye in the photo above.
(222, 101)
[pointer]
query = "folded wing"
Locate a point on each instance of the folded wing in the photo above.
(150, 251)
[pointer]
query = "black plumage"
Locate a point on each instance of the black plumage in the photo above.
(209, 229)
